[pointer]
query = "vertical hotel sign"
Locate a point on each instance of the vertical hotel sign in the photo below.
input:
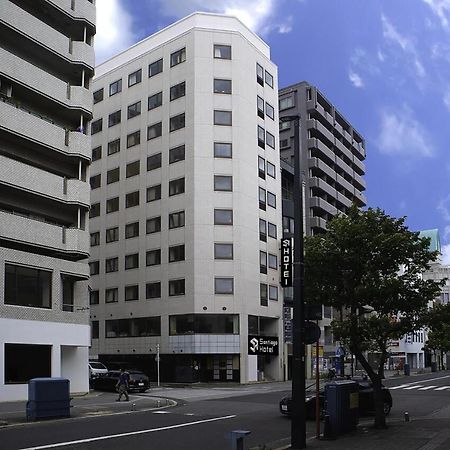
(287, 259)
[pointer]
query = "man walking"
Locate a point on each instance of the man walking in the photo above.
(122, 385)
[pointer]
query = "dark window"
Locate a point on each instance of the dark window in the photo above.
(288, 224)
(139, 327)
(261, 168)
(286, 103)
(154, 161)
(112, 205)
(112, 234)
(260, 74)
(284, 143)
(177, 122)
(131, 230)
(131, 293)
(176, 253)
(95, 329)
(223, 217)
(94, 268)
(176, 186)
(26, 286)
(111, 265)
(153, 290)
(95, 239)
(223, 285)
(262, 262)
(114, 118)
(176, 287)
(95, 210)
(263, 294)
(96, 153)
(132, 261)
(204, 324)
(95, 181)
(26, 361)
(154, 131)
(273, 293)
(153, 225)
(155, 68)
(134, 110)
(96, 126)
(178, 57)
(270, 112)
(111, 295)
(270, 139)
(154, 193)
(154, 101)
(134, 139)
(113, 175)
(133, 168)
(269, 79)
(271, 170)
(176, 154)
(272, 230)
(222, 86)
(222, 118)
(176, 219)
(94, 297)
(177, 91)
(262, 230)
(98, 96)
(223, 183)
(261, 137)
(223, 150)
(223, 251)
(271, 199)
(153, 257)
(262, 198)
(132, 199)
(273, 261)
(222, 51)
(135, 78)
(114, 147)
(115, 87)
(260, 106)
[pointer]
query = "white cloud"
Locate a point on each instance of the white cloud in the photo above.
(446, 99)
(381, 56)
(443, 208)
(445, 254)
(441, 8)
(355, 79)
(114, 29)
(402, 134)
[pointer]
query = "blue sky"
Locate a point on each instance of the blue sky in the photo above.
(385, 64)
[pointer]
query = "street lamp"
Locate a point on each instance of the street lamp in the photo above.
(298, 422)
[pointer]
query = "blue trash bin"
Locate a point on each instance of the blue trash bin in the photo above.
(407, 369)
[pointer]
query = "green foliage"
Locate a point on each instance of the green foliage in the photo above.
(438, 321)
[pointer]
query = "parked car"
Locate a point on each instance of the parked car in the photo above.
(366, 403)
(138, 381)
(96, 369)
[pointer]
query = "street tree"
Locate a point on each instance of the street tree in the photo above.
(438, 322)
(368, 265)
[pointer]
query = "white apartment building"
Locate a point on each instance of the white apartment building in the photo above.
(46, 65)
(186, 205)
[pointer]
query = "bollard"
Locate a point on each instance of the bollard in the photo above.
(406, 416)
(133, 407)
(237, 439)
(327, 429)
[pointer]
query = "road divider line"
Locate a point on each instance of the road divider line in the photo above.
(426, 388)
(131, 433)
(401, 386)
(442, 388)
(412, 387)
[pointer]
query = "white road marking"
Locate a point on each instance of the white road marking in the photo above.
(442, 388)
(401, 386)
(412, 387)
(420, 381)
(426, 388)
(131, 433)
(161, 412)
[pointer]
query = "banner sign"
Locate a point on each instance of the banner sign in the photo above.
(287, 259)
(262, 345)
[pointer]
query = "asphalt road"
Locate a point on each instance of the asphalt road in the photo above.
(205, 417)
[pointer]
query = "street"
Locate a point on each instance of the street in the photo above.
(205, 415)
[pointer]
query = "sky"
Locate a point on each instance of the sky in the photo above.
(384, 64)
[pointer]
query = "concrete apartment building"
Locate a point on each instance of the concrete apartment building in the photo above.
(332, 165)
(186, 205)
(46, 66)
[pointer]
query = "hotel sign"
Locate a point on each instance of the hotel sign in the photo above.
(262, 345)
(287, 259)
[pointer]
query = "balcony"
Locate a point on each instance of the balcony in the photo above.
(318, 222)
(319, 164)
(342, 148)
(83, 52)
(360, 183)
(359, 166)
(344, 200)
(345, 167)
(360, 198)
(320, 203)
(323, 185)
(319, 145)
(38, 129)
(83, 9)
(345, 184)
(316, 125)
(21, 229)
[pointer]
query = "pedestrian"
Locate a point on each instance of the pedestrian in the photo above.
(122, 385)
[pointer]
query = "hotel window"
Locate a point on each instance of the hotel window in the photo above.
(223, 251)
(270, 112)
(286, 103)
(176, 253)
(154, 161)
(153, 257)
(269, 79)
(222, 118)
(95, 181)
(176, 287)
(113, 175)
(131, 293)
(178, 57)
(96, 153)
(115, 87)
(94, 269)
(176, 220)
(273, 293)
(132, 261)
(177, 91)
(134, 139)
(154, 131)
(153, 290)
(112, 234)
(95, 239)
(176, 154)
(271, 171)
(112, 205)
(223, 150)
(261, 136)
(135, 78)
(153, 225)
(262, 262)
(222, 86)
(223, 217)
(132, 199)
(154, 193)
(273, 261)
(95, 210)
(262, 198)
(260, 74)
(131, 230)
(112, 265)
(133, 169)
(222, 51)
(111, 295)
(176, 187)
(263, 294)
(154, 101)
(271, 199)
(261, 168)
(94, 297)
(260, 106)
(113, 147)
(224, 285)
(177, 122)
(262, 230)
(272, 230)
(134, 110)
(96, 126)
(270, 139)
(288, 224)
(98, 96)
(155, 68)
(223, 183)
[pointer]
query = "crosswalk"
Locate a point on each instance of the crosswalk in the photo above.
(420, 387)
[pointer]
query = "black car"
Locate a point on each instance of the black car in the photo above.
(139, 382)
(366, 403)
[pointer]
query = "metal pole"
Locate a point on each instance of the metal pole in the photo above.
(317, 390)
(157, 361)
(298, 423)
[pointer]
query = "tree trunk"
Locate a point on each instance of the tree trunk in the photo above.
(378, 399)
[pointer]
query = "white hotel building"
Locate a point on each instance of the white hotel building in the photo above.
(186, 204)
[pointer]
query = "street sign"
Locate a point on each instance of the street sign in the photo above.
(287, 259)
(262, 345)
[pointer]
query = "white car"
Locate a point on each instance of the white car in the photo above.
(96, 369)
